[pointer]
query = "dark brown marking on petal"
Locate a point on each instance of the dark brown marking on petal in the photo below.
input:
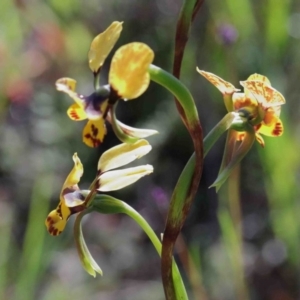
(94, 130)
(96, 142)
(59, 210)
(74, 115)
(278, 129)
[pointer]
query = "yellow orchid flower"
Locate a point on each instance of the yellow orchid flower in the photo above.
(128, 79)
(259, 99)
(72, 199)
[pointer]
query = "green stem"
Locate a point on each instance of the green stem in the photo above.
(188, 183)
(109, 205)
(97, 81)
(217, 131)
(178, 89)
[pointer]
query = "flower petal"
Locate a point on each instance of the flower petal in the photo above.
(68, 85)
(128, 74)
(233, 154)
(122, 155)
(117, 179)
(102, 45)
(76, 112)
(258, 77)
(94, 132)
(240, 100)
(264, 94)
(132, 131)
(73, 200)
(274, 127)
(223, 86)
(75, 174)
(88, 262)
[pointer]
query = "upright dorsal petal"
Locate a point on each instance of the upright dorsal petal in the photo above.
(102, 45)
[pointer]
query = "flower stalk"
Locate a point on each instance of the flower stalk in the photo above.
(108, 205)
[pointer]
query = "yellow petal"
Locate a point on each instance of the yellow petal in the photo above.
(94, 132)
(122, 155)
(128, 74)
(57, 219)
(68, 85)
(274, 127)
(223, 86)
(115, 180)
(76, 112)
(75, 174)
(102, 45)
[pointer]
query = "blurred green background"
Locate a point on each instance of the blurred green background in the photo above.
(242, 243)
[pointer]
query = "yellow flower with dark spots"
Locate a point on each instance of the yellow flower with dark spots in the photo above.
(128, 79)
(74, 200)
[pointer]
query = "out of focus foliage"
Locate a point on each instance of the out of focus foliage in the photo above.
(41, 41)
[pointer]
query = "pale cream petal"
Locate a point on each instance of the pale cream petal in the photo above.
(132, 131)
(122, 154)
(118, 179)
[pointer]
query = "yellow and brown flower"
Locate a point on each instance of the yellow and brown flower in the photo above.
(260, 100)
(128, 79)
(73, 200)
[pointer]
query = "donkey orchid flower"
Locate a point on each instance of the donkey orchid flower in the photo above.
(260, 100)
(73, 200)
(128, 79)
(257, 112)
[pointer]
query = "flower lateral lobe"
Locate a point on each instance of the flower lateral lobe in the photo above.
(76, 113)
(128, 75)
(102, 44)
